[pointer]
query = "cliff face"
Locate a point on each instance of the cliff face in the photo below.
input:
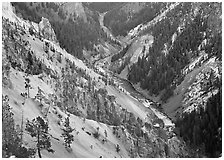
(46, 30)
(7, 11)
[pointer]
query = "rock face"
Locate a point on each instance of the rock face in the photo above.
(7, 11)
(46, 30)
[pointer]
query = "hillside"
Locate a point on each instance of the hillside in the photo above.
(160, 50)
(42, 79)
(173, 59)
(67, 19)
(127, 16)
(73, 88)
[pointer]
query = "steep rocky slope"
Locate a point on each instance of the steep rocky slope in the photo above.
(67, 19)
(170, 44)
(40, 78)
(175, 59)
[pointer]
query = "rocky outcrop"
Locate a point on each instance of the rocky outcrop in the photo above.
(46, 30)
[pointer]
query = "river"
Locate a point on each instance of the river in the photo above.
(128, 87)
(153, 106)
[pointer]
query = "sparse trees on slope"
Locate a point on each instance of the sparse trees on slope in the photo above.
(11, 142)
(38, 128)
(8, 131)
(67, 130)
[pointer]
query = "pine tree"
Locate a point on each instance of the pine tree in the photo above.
(39, 95)
(27, 86)
(105, 132)
(67, 130)
(118, 148)
(38, 128)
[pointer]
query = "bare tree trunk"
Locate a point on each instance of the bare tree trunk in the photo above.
(38, 144)
(39, 154)
(48, 110)
(28, 92)
(22, 128)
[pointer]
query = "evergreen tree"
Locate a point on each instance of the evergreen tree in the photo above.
(27, 86)
(105, 132)
(38, 128)
(39, 95)
(118, 148)
(67, 130)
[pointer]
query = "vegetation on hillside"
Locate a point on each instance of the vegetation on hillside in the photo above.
(203, 129)
(157, 71)
(85, 34)
(12, 143)
(103, 6)
(77, 92)
(121, 22)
